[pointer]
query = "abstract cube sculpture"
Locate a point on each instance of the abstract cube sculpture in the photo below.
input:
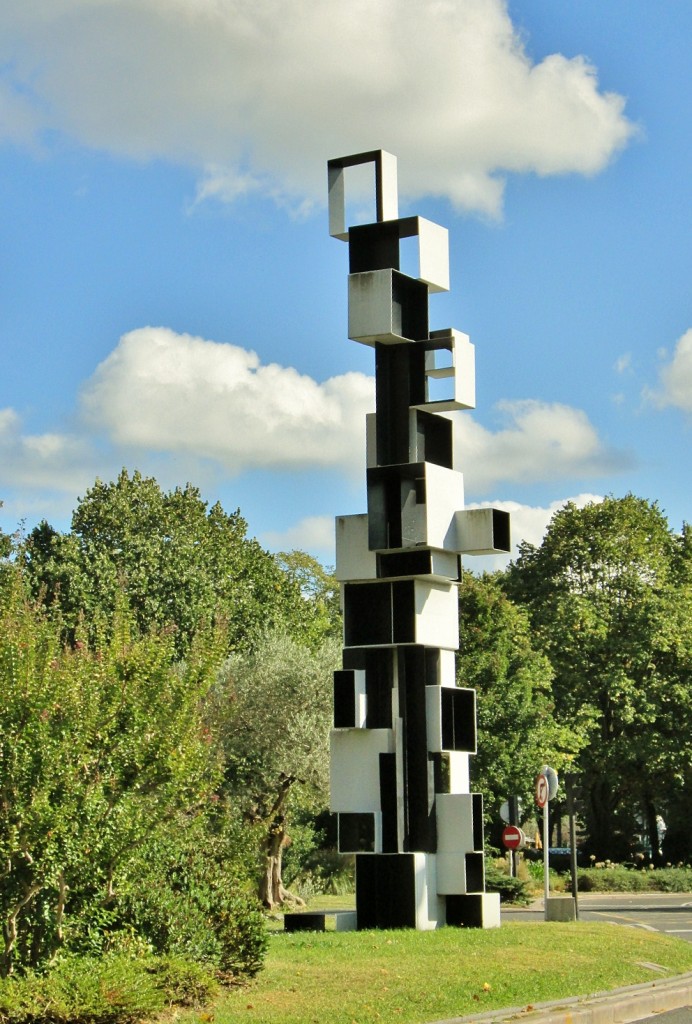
(403, 731)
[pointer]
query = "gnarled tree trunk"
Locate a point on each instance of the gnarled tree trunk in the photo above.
(272, 890)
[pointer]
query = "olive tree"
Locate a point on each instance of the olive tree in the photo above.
(277, 706)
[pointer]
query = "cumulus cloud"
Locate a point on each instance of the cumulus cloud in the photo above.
(675, 377)
(313, 533)
(538, 441)
(527, 523)
(261, 93)
(177, 393)
(60, 462)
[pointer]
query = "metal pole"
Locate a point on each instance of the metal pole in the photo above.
(546, 864)
(569, 786)
(513, 803)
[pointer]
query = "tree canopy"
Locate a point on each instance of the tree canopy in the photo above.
(277, 703)
(178, 563)
(609, 596)
(517, 727)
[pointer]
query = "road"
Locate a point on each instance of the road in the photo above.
(681, 1016)
(659, 912)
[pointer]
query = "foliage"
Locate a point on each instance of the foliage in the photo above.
(187, 891)
(112, 989)
(320, 592)
(511, 890)
(104, 751)
(609, 592)
(176, 561)
(517, 731)
(277, 702)
(617, 878)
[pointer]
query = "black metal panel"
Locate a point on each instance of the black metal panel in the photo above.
(399, 384)
(465, 911)
(378, 688)
(458, 713)
(304, 922)
(344, 699)
(367, 614)
(388, 802)
(385, 891)
(404, 611)
(373, 247)
(405, 563)
(475, 876)
(477, 810)
(501, 536)
(409, 307)
(434, 439)
(353, 657)
(419, 818)
(384, 512)
(357, 833)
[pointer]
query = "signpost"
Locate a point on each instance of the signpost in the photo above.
(546, 788)
(510, 812)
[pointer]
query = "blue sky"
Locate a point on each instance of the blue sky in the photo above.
(170, 299)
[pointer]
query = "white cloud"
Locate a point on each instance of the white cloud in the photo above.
(675, 377)
(541, 441)
(314, 534)
(527, 523)
(261, 93)
(177, 393)
(183, 407)
(624, 362)
(60, 462)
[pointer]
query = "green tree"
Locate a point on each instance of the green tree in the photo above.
(177, 561)
(609, 596)
(517, 729)
(276, 740)
(102, 749)
(319, 613)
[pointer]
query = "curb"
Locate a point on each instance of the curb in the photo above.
(621, 1006)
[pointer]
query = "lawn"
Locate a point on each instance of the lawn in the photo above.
(411, 977)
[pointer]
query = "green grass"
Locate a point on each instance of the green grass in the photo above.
(412, 977)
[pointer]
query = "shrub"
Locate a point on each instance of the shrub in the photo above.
(511, 890)
(113, 989)
(616, 878)
(112, 834)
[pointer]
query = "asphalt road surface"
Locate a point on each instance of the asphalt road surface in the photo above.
(681, 1016)
(658, 912)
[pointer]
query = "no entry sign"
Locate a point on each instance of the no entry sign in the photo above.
(513, 838)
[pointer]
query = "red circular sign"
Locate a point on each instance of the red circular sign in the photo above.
(542, 791)
(513, 837)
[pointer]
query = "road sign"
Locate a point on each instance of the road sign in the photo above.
(542, 790)
(505, 810)
(513, 838)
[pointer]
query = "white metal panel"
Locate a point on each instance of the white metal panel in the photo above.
(437, 614)
(354, 561)
(454, 814)
(355, 768)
